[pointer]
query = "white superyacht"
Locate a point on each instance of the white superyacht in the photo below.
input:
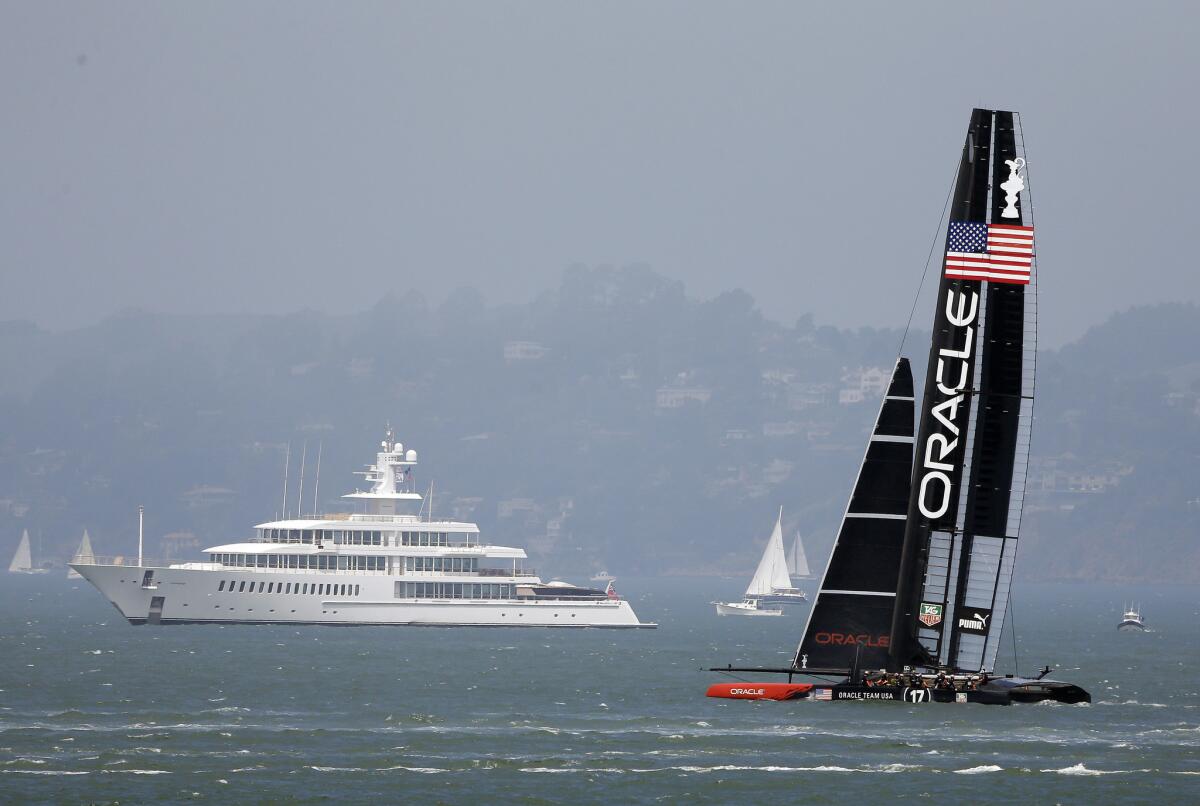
(386, 565)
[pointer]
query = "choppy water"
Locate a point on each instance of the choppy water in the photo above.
(94, 709)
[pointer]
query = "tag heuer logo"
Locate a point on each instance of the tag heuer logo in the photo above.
(931, 614)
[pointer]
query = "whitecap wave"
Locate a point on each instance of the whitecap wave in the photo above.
(982, 768)
(1080, 769)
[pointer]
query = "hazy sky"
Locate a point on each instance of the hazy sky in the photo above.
(275, 156)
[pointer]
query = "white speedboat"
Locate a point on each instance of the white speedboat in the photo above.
(385, 565)
(771, 584)
(748, 607)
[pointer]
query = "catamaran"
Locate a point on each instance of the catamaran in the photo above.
(22, 561)
(771, 584)
(393, 563)
(912, 603)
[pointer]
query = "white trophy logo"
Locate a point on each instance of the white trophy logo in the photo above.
(1012, 186)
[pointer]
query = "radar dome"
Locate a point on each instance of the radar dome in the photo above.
(411, 456)
(399, 447)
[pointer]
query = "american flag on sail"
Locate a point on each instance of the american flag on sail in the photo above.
(823, 694)
(998, 253)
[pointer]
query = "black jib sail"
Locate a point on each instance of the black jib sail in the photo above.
(851, 616)
(972, 446)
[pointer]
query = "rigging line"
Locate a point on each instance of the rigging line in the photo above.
(1033, 361)
(734, 676)
(1012, 623)
(928, 260)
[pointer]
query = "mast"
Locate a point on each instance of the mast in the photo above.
(972, 446)
(287, 459)
(852, 610)
(300, 504)
(317, 484)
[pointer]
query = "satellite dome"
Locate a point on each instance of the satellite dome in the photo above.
(411, 456)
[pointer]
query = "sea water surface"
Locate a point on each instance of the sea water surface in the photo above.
(93, 709)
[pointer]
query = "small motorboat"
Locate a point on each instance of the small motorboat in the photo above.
(746, 607)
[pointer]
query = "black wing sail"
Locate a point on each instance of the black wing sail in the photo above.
(852, 612)
(972, 446)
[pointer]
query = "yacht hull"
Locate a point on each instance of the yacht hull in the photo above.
(191, 596)
(1001, 691)
(759, 691)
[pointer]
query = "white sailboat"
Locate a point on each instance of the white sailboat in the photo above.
(797, 561)
(83, 555)
(769, 580)
(22, 561)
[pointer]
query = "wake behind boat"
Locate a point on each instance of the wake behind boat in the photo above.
(387, 565)
(913, 600)
(771, 584)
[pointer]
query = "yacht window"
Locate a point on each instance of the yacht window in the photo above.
(221, 587)
(356, 589)
(261, 585)
(343, 593)
(242, 589)
(270, 587)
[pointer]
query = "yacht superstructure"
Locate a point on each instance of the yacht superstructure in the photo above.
(386, 565)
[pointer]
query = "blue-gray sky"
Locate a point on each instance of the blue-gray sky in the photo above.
(272, 156)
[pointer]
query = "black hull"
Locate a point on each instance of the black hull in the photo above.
(844, 692)
(1002, 691)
